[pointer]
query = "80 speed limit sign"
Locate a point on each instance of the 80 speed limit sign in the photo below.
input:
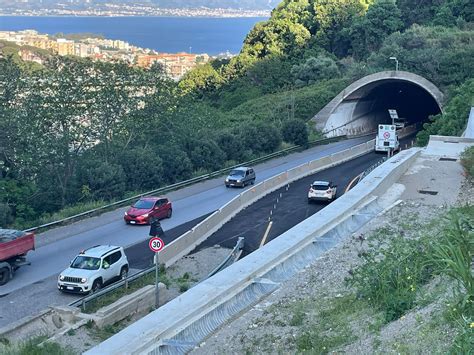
(156, 244)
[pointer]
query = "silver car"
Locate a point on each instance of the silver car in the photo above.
(240, 177)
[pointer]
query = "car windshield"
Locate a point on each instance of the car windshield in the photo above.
(86, 262)
(237, 173)
(144, 204)
(320, 187)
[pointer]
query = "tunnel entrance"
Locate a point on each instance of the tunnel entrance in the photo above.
(364, 104)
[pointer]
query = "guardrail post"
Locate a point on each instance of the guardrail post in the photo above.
(83, 305)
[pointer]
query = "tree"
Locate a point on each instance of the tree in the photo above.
(368, 32)
(105, 180)
(176, 164)
(456, 113)
(295, 131)
(334, 18)
(315, 69)
(200, 81)
(275, 37)
(205, 154)
(143, 168)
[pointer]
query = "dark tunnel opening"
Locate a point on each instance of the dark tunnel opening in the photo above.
(411, 101)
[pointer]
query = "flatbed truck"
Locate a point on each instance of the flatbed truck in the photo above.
(14, 245)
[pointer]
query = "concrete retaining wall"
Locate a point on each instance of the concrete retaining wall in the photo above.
(198, 304)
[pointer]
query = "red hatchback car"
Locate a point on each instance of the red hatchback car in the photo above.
(141, 211)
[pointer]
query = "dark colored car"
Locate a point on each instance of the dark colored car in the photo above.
(141, 211)
(240, 177)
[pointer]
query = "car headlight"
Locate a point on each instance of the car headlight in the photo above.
(145, 215)
(238, 180)
(83, 280)
(61, 277)
(226, 179)
(126, 214)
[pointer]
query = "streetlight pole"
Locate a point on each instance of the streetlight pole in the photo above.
(396, 62)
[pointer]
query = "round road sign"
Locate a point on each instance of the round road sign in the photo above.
(386, 135)
(156, 244)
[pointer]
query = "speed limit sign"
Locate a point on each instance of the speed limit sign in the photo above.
(156, 244)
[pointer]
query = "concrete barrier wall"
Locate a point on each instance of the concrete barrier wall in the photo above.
(145, 336)
(190, 240)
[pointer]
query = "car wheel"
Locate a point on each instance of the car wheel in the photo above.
(4, 275)
(309, 200)
(123, 273)
(96, 286)
(252, 182)
(169, 213)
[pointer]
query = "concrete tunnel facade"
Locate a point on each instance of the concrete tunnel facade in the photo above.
(364, 104)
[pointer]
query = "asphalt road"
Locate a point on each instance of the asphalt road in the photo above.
(287, 207)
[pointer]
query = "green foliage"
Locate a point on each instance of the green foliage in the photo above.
(368, 32)
(106, 180)
(275, 37)
(31, 347)
(453, 253)
(295, 131)
(231, 145)
(436, 53)
(201, 80)
(205, 154)
(456, 113)
(300, 103)
(176, 164)
(315, 337)
(392, 273)
(314, 70)
(143, 168)
(467, 160)
(260, 137)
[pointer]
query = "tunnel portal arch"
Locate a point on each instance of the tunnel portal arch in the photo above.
(360, 107)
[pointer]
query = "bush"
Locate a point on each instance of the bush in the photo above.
(295, 131)
(143, 168)
(391, 274)
(176, 164)
(105, 180)
(205, 154)
(467, 160)
(456, 114)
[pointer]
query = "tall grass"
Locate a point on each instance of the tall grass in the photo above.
(454, 252)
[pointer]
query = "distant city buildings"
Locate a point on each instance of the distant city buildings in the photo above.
(175, 65)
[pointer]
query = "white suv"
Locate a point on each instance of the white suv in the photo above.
(322, 191)
(93, 268)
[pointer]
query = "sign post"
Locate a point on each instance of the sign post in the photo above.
(393, 115)
(156, 244)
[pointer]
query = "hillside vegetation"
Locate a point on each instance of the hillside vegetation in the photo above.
(75, 132)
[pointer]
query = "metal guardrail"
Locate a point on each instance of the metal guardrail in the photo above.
(185, 183)
(372, 167)
(232, 258)
(82, 302)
